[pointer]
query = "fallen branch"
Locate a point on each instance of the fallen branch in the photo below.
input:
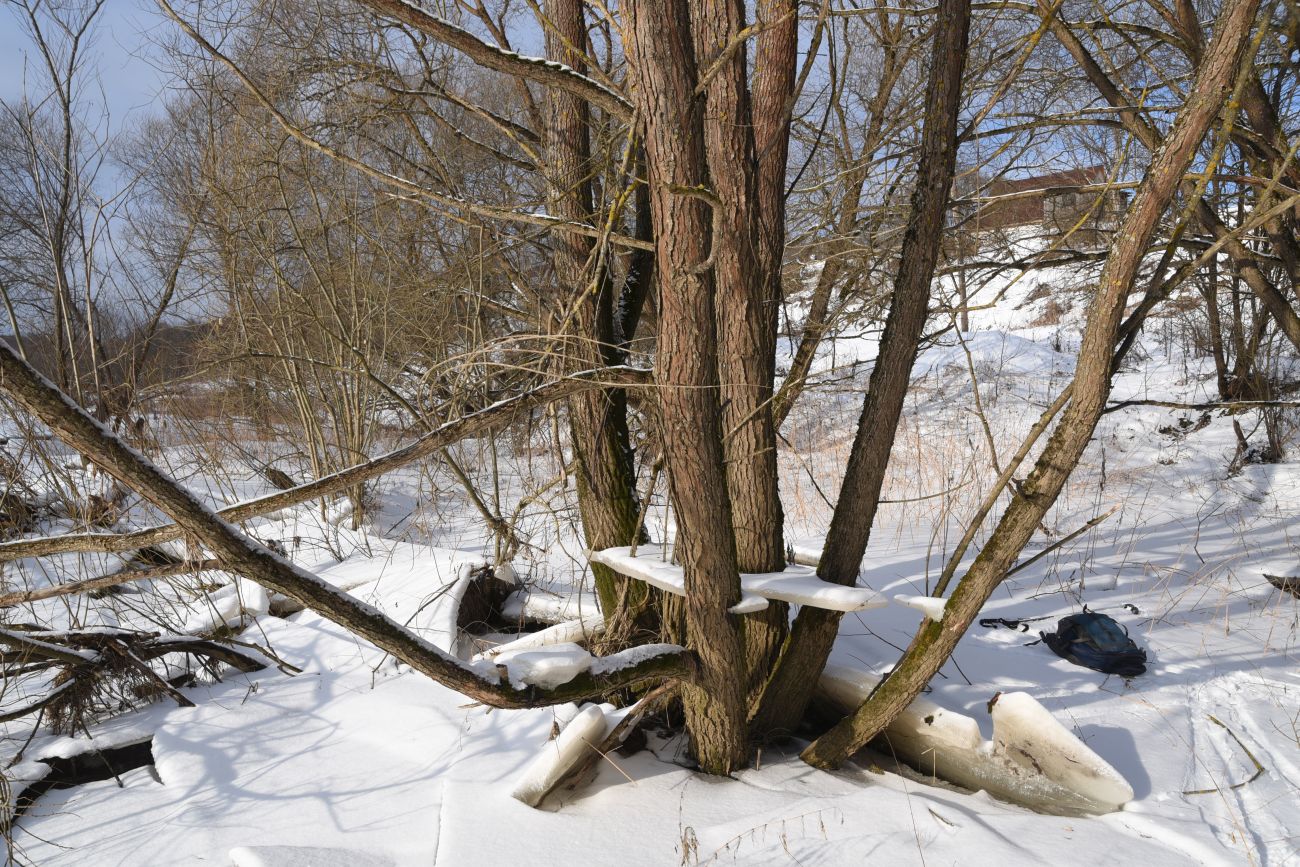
(245, 556)
(439, 438)
(113, 579)
(1057, 544)
(1227, 405)
(1285, 583)
(1259, 769)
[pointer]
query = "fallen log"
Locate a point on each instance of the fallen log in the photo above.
(427, 445)
(246, 557)
(113, 579)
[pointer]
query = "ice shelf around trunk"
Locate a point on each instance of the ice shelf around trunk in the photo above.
(796, 584)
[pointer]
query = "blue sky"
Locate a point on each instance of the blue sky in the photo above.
(121, 48)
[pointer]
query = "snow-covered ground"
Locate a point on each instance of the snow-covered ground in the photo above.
(356, 761)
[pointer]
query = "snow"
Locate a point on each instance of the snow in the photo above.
(305, 856)
(546, 667)
(357, 760)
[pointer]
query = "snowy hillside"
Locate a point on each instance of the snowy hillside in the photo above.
(354, 760)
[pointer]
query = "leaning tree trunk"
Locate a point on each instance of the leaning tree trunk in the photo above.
(815, 629)
(247, 557)
(935, 640)
(1243, 258)
(662, 62)
(598, 425)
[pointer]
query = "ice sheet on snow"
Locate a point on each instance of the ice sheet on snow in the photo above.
(1032, 760)
(797, 584)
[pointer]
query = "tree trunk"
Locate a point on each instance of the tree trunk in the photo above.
(746, 309)
(815, 629)
(662, 62)
(604, 474)
(935, 640)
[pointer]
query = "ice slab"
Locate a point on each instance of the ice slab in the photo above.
(796, 584)
(1032, 760)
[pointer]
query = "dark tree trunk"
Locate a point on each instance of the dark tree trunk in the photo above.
(815, 629)
(935, 641)
(747, 278)
(662, 61)
(598, 419)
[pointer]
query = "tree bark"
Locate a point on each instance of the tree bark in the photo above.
(815, 629)
(662, 61)
(598, 427)
(746, 309)
(1242, 257)
(935, 640)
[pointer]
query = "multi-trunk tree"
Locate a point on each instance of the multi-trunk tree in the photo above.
(658, 134)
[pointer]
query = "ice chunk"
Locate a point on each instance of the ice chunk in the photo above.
(583, 734)
(549, 607)
(797, 584)
(655, 570)
(569, 632)
(1032, 760)
(1028, 734)
(931, 606)
(801, 586)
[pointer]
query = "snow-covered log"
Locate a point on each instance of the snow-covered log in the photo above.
(797, 584)
(1032, 760)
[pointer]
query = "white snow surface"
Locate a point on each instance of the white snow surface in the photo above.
(358, 760)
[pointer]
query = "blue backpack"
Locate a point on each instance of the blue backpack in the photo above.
(1096, 641)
